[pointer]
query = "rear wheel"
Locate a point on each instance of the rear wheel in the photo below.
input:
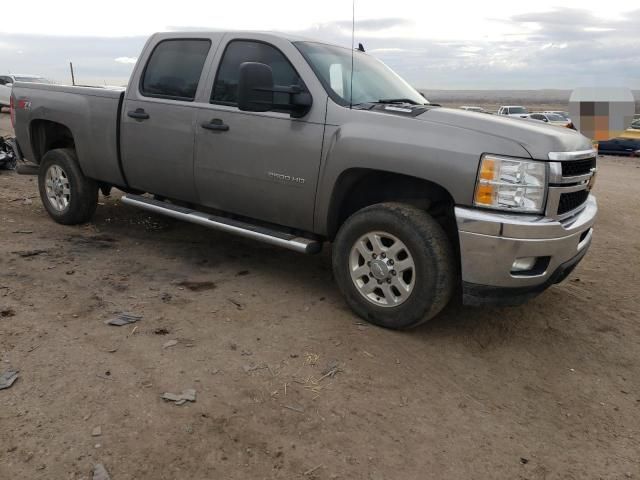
(69, 197)
(394, 264)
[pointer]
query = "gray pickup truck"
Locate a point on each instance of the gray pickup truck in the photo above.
(275, 138)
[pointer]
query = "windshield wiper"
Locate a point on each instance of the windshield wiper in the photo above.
(397, 100)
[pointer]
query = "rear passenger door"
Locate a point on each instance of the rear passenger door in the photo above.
(158, 118)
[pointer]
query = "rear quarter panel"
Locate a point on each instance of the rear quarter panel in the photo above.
(90, 113)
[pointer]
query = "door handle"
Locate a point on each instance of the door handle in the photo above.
(215, 124)
(138, 114)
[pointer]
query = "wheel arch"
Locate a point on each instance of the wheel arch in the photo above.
(357, 188)
(48, 135)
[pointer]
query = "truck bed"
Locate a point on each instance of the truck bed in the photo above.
(91, 114)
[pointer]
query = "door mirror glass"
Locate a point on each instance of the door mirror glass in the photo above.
(255, 87)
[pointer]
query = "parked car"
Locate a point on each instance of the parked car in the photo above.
(552, 119)
(563, 114)
(264, 136)
(620, 146)
(7, 81)
(473, 109)
(633, 131)
(513, 111)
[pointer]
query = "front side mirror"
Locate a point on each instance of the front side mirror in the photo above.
(257, 92)
(255, 87)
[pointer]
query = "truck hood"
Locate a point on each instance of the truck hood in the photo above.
(537, 138)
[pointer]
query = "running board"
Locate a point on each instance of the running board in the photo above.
(243, 229)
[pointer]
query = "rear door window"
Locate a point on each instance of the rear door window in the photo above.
(225, 88)
(174, 69)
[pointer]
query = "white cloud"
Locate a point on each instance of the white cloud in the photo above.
(126, 60)
(413, 18)
(468, 44)
(387, 50)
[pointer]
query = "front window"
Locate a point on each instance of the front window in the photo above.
(373, 81)
(225, 88)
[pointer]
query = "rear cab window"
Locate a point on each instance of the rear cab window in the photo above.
(174, 69)
(237, 52)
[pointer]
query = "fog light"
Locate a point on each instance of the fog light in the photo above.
(523, 264)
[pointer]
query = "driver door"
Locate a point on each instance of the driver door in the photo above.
(262, 165)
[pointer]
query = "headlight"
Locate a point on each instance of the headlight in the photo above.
(510, 184)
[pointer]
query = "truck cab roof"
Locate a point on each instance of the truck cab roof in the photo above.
(235, 33)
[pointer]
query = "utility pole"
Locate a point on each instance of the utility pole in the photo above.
(73, 78)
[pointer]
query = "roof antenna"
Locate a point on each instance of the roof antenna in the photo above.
(353, 45)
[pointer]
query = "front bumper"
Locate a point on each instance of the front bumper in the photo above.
(490, 242)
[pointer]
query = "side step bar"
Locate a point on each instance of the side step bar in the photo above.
(243, 229)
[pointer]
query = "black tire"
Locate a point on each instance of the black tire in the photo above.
(83, 191)
(431, 254)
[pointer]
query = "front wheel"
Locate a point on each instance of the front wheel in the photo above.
(394, 264)
(69, 197)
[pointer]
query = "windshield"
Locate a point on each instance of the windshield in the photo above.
(373, 81)
(518, 110)
(32, 79)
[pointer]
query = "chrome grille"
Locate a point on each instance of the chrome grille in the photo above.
(571, 201)
(569, 186)
(578, 167)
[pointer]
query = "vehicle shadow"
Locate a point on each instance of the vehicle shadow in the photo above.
(201, 247)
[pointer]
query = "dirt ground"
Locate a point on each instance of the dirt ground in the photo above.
(290, 384)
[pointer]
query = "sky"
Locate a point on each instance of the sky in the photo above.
(439, 44)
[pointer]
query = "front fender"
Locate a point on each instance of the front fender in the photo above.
(445, 155)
